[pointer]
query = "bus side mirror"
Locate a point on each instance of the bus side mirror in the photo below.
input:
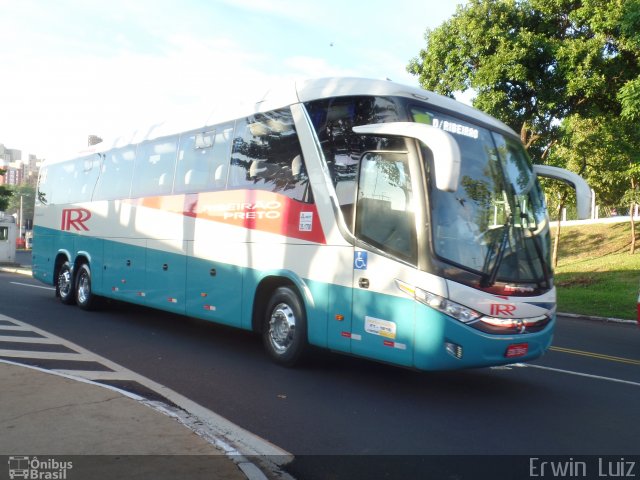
(446, 154)
(584, 197)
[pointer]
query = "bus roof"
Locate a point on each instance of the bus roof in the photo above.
(299, 92)
(317, 89)
(345, 86)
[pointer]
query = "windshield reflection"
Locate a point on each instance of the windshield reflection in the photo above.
(495, 223)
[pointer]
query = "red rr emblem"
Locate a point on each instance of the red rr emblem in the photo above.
(75, 218)
(502, 309)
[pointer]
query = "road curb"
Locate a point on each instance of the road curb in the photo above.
(256, 457)
(597, 319)
(16, 269)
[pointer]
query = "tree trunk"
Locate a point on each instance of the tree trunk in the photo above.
(556, 241)
(633, 223)
(633, 229)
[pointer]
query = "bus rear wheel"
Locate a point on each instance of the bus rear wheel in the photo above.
(64, 285)
(284, 332)
(84, 295)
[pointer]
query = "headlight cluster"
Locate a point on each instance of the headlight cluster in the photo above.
(453, 309)
(484, 323)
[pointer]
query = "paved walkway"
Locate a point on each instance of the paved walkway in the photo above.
(50, 417)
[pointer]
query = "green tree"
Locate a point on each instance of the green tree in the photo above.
(556, 71)
(588, 144)
(27, 193)
(533, 63)
(632, 198)
(629, 94)
(5, 193)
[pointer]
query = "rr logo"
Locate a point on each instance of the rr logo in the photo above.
(75, 218)
(502, 309)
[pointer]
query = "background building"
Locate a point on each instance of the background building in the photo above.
(18, 170)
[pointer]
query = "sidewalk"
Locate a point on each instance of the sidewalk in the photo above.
(52, 417)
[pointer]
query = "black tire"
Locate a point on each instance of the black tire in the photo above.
(85, 298)
(64, 284)
(284, 330)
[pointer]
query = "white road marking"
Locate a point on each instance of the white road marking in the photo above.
(46, 355)
(95, 375)
(42, 341)
(33, 286)
(235, 441)
(579, 374)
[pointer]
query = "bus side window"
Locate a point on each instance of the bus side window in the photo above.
(154, 167)
(203, 159)
(87, 170)
(115, 175)
(385, 217)
(267, 156)
(60, 179)
(333, 120)
(220, 157)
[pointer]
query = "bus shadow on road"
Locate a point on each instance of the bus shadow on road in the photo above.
(498, 382)
(182, 340)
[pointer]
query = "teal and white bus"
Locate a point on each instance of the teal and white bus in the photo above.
(360, 216)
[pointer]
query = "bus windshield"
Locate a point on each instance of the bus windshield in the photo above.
(495, 223)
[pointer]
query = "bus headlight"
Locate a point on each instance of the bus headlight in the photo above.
(453, 309)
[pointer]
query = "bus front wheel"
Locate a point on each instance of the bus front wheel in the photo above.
(84, 295)
(64, 285)
(284, 331)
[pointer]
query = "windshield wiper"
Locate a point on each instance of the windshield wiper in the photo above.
(489, 278)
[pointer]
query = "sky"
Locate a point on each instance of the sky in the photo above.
(74, 68)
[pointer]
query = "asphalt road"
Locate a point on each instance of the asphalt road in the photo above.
(582, 398)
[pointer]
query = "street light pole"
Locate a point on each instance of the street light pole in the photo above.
(20, 226)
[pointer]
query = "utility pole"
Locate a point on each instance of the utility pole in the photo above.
(20, 226)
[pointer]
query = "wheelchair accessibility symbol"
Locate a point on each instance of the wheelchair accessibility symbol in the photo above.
(360, 260)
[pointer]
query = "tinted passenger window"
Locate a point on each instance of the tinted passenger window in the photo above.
(267, 156)
(116, 174)
(385, 215)
(60, 176)
(85, 176)
(203, 160)
(154, 167)
(333, 120)
(69, 182)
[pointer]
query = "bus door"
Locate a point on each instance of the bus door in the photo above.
(386, 248)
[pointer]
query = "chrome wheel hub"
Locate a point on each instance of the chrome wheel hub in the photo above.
(84, 288)
(64, 282)
(282, 326)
